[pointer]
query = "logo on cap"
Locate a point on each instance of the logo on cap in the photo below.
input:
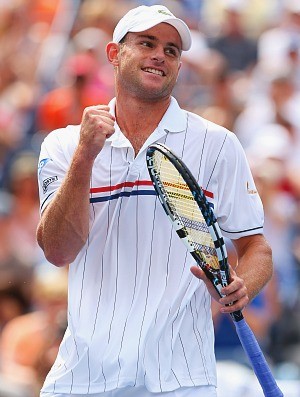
(164, 12)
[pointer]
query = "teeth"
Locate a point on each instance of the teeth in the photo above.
(155, 71)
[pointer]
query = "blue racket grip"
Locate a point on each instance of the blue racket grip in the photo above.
(257, 359)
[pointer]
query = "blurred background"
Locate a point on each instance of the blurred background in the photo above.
(243, 72)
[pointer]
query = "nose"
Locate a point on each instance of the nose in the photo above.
(158, 55)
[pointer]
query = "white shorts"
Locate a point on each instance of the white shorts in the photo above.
(197, 391)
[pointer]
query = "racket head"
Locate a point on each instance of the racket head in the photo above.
(189, 211)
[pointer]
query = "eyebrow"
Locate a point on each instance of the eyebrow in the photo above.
(154, 38)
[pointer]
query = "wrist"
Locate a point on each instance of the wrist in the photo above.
(84, 156)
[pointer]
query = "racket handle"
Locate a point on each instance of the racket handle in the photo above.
(257, 359)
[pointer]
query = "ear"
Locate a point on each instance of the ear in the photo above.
(179, 67)
(112, 51)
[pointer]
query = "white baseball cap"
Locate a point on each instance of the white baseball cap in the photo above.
(142, 18)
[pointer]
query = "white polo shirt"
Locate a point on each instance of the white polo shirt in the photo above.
(137, 316)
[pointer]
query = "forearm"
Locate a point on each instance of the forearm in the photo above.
(255, 265)
(64, 225)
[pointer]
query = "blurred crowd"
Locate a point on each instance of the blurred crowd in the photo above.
(243, 72)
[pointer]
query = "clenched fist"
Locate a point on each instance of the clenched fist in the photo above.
(96, 126)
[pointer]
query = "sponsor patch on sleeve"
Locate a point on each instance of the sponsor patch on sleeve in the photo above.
(48, 181)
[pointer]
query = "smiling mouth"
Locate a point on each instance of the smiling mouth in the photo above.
(154, 71)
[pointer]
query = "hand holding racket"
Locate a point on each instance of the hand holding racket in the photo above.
(194, 221)
(236, 284)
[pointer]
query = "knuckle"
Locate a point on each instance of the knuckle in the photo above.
(87, 110)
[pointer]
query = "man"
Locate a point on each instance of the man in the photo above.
(139, 322)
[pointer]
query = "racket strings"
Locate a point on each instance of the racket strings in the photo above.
(183, 204)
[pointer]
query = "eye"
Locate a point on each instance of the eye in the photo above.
(173, 51)
(146, 44)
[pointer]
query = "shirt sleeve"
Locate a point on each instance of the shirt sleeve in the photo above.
(239, 207)
(52, 168)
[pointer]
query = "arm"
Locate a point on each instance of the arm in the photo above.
(64, 225)
(253, 271)
(255, 264)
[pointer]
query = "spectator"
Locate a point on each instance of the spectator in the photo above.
(29, 342)
(232, 42)
(15, 275)
(23, 188)
(64, 105)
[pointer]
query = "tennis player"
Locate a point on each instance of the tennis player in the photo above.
(139, 321)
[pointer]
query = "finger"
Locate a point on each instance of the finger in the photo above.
(200, 274)
(96, 108)
(235, 283)
(240, 294)
(102, 114)
(235, 306)
(103, 125)
(98, 121)
(102, 111)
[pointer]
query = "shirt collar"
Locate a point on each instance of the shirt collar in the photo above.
(174, 120)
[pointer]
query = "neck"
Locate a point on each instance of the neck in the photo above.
(137, 119)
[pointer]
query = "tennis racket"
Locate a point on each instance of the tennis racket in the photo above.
(194, 221)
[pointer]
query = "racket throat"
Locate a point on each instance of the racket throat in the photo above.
(215, 280)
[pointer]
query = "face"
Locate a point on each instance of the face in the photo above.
(147, 63)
